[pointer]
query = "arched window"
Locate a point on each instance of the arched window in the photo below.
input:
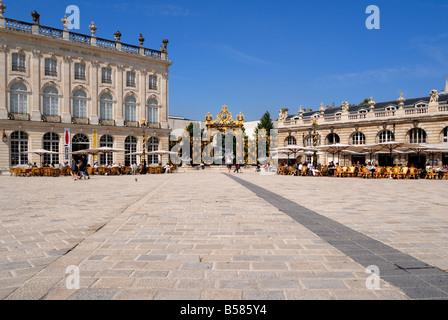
(51, 143)
(153, 145)
(80, 104)
(417, 135)
(333, 138)
(153, 111)
(130, 146)
(130, 109)
(291, 141)
(106, 141)
(80, 142)
(358, 138)
(106, 107)
(309, 142)
(51, 102)
(445, 135)
(19, 145)
(18, 98)
(386, 136)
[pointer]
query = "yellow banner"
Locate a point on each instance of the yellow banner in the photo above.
(95, 143)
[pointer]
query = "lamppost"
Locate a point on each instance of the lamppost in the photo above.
(315, 142)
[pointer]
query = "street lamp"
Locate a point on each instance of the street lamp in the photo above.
(315, 141)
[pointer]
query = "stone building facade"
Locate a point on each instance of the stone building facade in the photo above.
(416, 120)
(62, 91)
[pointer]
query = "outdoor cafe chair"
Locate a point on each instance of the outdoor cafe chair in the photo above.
(404, 172)
(412, 172)
(114, 171)
(66, 171)
(432, 174)
(388, 172)
(351, 172)
(378, 173)
(339, 172)
(304, 171)
(291, 171)
(396, 172)
(366, 173)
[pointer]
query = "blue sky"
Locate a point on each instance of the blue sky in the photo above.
(257, 56)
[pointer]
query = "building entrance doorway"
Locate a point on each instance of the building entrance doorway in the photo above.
(79, 142)
(418, 161)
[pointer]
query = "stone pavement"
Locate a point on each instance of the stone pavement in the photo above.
(205, 235)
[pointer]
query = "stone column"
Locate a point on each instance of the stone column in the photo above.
(3, 72)
(36, 114)
(118, 112)
(164, 102)
(66, 86)
(94, 120)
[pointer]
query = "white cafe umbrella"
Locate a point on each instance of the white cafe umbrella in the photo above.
(40, 152)
(164, 153)
(334, 148)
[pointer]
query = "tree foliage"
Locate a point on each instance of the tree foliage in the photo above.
(265, 123)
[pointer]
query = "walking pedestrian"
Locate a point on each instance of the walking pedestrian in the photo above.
(74, 169)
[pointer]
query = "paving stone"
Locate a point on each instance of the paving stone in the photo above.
(145, 244)
(93, 294)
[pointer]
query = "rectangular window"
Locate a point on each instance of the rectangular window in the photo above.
(80, 71)
(130, 79)
(18, 62)
(153, 82)
(18, 103)
(51, 67)
(106, 75)
(106, 111)
(79, 109)
(50, 106)
(130, 113)
(153, 115)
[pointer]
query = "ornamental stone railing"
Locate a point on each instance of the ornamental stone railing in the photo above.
(55, 119)
(413, 112)
(108, 123)
(80, 120)
(19, 116)
(21, 26)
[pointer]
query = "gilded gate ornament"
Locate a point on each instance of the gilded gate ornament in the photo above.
(224, 120)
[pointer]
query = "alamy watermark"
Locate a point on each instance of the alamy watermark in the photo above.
(72, 281)
(223, 148)
(373, 281)
(73, 17)
(373, 20)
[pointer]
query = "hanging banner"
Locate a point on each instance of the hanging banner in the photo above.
(67, 144)
(95, 144)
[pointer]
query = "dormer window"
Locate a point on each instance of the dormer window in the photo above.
(391, 108)
(421, 105)
(362, 111)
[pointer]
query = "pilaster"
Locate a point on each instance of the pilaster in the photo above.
(94, 120)
(36, 84)
(3, 69)
(118, 112)
(66, 85)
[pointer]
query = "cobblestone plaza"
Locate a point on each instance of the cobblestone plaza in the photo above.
(208, 235)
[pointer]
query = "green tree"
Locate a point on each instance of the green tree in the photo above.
(265, 123)
(365, 102)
